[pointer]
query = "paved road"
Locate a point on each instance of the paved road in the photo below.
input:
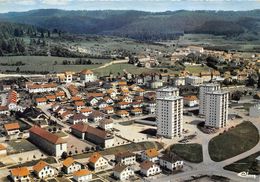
(45, 110)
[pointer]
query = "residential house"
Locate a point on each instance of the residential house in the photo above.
(60, 95)
(137, 111)
(190, 101)
(193, 80)
(106, 124)
(102, 104)
(112, 93)
(171, 162)
(66, 77)
(86, 111)
(149, 168)
(123, 172)
(123, 105)
(76, 98)
(77, 118)
(92, 101)
(51, 98)
(82, 175)
(20, 174)
(79, 105)
(70, 166)
(138, 98)
(108, 110)
(41, 88)
(126, 158)
(122, 113)
(108, 100)
(96, 116)
(12, 98)
(48, 142)
(127, 99)
(87, 76)
(98, 162)
(66, 115)
(137, 104)
(43, 170)
(150, 107)
(150, 155)
(41, 101)
(150, 96)
(97, 95)
(99, 137)
(179, 81)
(12, 128)
(4, 110)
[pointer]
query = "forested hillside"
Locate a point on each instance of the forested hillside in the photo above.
(142, 25)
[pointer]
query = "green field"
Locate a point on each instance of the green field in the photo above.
(119, 68)
(196, 69)
(189, 152)
(213, 41)
(134, 147)
(249, 164)
(45, 63)
(233, 142)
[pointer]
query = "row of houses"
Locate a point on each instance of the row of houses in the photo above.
(123, 169)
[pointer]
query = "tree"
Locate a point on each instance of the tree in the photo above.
(64, 155)
(17, 70)
(237, 95)
(258, 82)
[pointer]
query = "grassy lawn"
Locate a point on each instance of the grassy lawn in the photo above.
(134, 147)
(17, 146)
(45, 63)
(233, 142)
(50, 160)
(119, 68)
(189, 152)
(196, 69)
(247, 164)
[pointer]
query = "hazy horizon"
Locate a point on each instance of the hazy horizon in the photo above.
(141, 5)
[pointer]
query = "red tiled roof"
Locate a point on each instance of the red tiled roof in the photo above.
(12, 97)
(12, 126)
(20, 171)
(54, 139)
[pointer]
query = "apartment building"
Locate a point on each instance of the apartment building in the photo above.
(217, 109)
(169, 116)
(167, 91)
(209, 87)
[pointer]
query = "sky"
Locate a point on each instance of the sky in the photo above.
(144, 5)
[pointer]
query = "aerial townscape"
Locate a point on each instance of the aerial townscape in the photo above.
(100, 101)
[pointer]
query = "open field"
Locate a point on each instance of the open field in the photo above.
(249, 164)
(196, 69)
(233, 142)
(189, 152)
(50, 160)
(119, 68)
(18, 146)
(45, 63)
(213, 41)
(134, 147)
